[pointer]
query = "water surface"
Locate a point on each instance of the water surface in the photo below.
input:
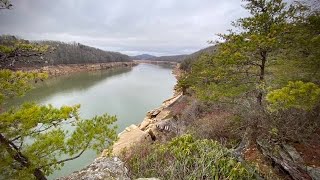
(127, 93)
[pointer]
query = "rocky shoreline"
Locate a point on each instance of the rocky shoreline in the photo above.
(66, 69)
(154, 127)
(151, 129)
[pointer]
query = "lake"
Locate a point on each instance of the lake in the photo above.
(128, 93)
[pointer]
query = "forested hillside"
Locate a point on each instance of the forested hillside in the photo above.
(55, 53)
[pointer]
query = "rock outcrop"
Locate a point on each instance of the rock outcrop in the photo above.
(101, 168)
(154, 127)
(131, 135)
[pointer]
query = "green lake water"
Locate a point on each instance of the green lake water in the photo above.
(127, 93)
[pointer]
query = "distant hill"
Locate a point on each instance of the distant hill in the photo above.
(186, 59)
(142, 57)
(176, 58)
(65, 53)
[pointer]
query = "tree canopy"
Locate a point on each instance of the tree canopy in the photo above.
(255, 57)
(266, 67)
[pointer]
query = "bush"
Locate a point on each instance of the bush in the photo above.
(185, 158)
(218, 126)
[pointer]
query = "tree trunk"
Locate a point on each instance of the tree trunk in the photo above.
(263, 55)
(39, 174)
(14, 152)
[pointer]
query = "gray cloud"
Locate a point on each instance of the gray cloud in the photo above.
(160, 27)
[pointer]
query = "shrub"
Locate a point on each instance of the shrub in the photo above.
(217, 125)
(185, 158)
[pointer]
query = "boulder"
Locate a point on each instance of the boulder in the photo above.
(153, 113)
(145, 123)
(101, 168)
(162, 115)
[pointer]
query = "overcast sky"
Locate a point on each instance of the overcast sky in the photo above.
(158, 27)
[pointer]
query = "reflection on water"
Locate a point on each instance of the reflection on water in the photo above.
(127, 93)
(66, 84)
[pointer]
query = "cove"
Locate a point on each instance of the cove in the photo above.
(128, 93)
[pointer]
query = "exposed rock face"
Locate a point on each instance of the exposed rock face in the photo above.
(131, 135)
(154, 127)
(101, 168)
(72, 68)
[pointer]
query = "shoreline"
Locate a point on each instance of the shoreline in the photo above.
(65, 69)
(148, 131)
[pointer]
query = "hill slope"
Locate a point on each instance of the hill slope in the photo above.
(62, 53)
(142, 57)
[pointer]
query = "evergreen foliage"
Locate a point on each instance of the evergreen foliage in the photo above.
(186, 158)
(267, 70)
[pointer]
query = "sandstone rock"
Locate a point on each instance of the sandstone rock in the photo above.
(132, 135)
(162, 115)
(156, 112)
(101, 168)
(145, 123)
(153, 113)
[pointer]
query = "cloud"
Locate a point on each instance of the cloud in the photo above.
(160, 27)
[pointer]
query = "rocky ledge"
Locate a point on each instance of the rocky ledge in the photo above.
(153, 128)
(101, 168)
